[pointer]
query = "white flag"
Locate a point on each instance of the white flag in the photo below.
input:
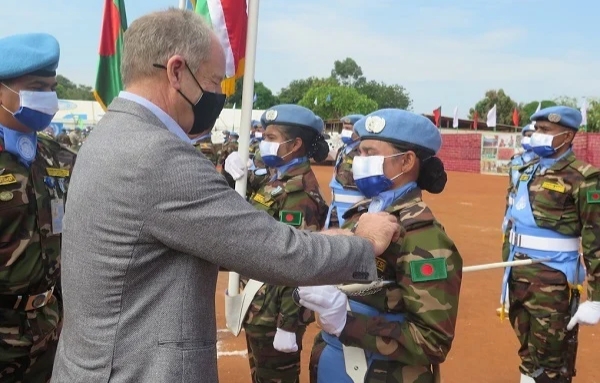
(583, 110)
(315, 101)
(233, 106)
(491, 117)
(539, 107)
(455, 119)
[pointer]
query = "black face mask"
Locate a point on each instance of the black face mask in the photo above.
(206, 110)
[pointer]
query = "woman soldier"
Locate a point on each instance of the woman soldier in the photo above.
(274, 324)
(399, 330)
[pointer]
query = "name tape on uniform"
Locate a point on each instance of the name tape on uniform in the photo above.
(7, 179)
(55, 172)
(553, 186)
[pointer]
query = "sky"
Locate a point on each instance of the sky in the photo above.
(445, 53)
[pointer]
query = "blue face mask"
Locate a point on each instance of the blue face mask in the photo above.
(268, 153)
(37, 109)
(369, 177)
(526, 143)
(346, 136)
(541, 144)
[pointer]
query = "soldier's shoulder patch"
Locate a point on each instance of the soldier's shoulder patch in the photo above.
(431, 269)
(7, 179)
(593, 196)
(291, 217)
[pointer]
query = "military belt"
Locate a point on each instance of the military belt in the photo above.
(25, 302)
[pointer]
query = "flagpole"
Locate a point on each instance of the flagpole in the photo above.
(246, 115)
(182, 4)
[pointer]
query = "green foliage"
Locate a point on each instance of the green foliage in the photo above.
(504, 107)
(566, 101)
(527, 110)
(342, 101)
(348, 73)
(67, 90)
(295, 91)
(264, 96)
(593, 116)
(386, 96)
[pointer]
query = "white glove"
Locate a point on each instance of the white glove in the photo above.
(588, 313)
(235, 166)
(285, 341)
(329, 302)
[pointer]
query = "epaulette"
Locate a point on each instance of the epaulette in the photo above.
(585, 169)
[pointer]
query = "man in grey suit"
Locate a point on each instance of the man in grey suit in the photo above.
(149, 221)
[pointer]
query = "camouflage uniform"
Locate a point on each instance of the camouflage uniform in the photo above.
(564, 199)
(30, 255)
(206, 147)
(429, 305)
(294, 198)
(342, 179)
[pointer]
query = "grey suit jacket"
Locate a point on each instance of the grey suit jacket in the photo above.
(148, 221)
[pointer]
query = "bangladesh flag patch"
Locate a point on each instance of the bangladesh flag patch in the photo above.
(431, 269)
(293, 218)
(593, 196)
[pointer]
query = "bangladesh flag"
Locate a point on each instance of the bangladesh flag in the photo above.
(108, 79)
(229, 20)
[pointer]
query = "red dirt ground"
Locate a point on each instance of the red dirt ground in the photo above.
(485, 350)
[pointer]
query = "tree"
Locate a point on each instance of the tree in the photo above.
(335, 101)
(566, 101)
(386, 96)
(593, 116)
(348, 72)
(264, 96)
(504, 107)
(67, 90)
(527, 110)
(295, 92)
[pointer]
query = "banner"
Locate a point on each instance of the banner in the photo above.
(496, 151)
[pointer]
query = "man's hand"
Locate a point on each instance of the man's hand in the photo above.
(329, 302)
(588, 313)
(380, 229)
(235, 166)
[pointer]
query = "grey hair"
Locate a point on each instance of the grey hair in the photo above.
(158, 36)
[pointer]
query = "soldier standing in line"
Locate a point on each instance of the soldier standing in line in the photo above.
(343, 189)
(401, 331)
(274, 324)
(34, 178)
(516, 162)
(203, 143)
(556, 210)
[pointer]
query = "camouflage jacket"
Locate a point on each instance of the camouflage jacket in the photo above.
(343, 169)
(227, 148)
(29, 248)
(427, 268)
(253, 148)
(294, 198)
(566, 199)
(206, 147)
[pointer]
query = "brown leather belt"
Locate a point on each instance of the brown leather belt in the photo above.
(25, 302)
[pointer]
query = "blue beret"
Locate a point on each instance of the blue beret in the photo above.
(255, 123)
(562, 115)
(32, 53)
(234, 134)
(398, 126)
(351, 118)
(528, 128)
(292, 115)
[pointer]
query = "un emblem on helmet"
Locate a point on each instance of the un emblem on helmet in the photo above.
(271, 115)
(553, 117)
(374, 124)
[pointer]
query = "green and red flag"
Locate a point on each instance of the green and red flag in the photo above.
(229, 20)
(593, 196)
(293, 218)
(430, 269)
(108, 78)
